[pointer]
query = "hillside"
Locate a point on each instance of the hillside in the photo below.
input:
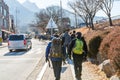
(104, 44)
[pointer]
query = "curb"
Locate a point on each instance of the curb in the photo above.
(39, 77)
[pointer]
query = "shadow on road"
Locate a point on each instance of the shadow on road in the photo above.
(63, 69)
(16, 53)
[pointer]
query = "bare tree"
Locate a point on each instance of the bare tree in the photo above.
(79, 12)
(40, 21)
(44, 15)
(87, 9)
(54, 12)
(107, 6)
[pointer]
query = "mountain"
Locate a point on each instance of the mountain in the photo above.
(22, 16)
(24, 13)
(30, 6)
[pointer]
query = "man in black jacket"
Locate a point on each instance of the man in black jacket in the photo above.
(78, 57)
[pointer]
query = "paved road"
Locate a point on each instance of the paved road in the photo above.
(18, 65)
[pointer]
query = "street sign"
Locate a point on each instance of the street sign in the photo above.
(51, 24)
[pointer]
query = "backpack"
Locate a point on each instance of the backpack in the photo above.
(78, 47)
(72, 36)
(56, 48)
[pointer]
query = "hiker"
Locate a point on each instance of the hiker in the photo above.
(73, 35)
(78, 52)
(65, 41)
(55, 53)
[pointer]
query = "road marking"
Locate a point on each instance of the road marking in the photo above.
(36, 51)
(39, 77)
(20, 59)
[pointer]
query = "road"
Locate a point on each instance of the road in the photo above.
(19, 65)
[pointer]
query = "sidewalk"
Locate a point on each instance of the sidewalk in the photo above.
(89, 72)
(4, 44)
(66, 73)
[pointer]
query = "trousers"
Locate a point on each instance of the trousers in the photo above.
(77, 59)
(57, 66)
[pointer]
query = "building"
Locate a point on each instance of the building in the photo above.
(4, 20)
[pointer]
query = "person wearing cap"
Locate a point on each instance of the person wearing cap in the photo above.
(77, 48)
(66, 38)
(73, 35)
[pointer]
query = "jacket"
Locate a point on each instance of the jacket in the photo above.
(48, 52)
(66, 39)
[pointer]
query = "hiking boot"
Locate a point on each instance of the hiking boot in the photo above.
(57, 79)
(78, 77)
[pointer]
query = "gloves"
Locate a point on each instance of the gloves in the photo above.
(46, 59)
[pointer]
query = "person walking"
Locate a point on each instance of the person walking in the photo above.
(73, 35)
(55, 53)
(66, 38)
(78, 52)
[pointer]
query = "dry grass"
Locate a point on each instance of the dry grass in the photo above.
(110, 48)
(110, 45)
(93, 69)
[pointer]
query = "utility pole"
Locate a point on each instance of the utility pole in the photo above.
(51, 24)
(16, 16)
(61, 15)
(75, 19)
(17, 20)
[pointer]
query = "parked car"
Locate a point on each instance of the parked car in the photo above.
(19, 42)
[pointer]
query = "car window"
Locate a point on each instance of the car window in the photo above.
(16, 37)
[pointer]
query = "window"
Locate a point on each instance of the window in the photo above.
(16, 37)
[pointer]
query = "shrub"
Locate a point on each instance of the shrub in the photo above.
(110, 47)
(114, 53)
(93, 46)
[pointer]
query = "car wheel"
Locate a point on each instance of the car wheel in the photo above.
(27, 49)
(10, 50)
(30, 47)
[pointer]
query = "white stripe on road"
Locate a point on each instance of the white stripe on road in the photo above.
(12, 59)
(36, 51)
(39, 77)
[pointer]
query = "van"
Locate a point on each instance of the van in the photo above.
(19, 42)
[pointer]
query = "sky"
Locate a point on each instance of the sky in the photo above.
(46, 3)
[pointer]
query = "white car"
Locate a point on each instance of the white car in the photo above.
(19, 42)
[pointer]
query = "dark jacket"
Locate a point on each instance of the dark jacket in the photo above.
(73, 36)
(66, 38)
(72, 43)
